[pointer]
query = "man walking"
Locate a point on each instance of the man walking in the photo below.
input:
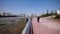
(38, 18)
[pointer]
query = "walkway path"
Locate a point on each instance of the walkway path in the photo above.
(45, 26)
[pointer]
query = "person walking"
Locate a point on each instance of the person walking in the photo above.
(26, 19)
(38, 18)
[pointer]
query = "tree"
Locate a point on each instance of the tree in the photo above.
(4, 14)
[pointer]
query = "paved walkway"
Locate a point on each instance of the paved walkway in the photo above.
(45, 26)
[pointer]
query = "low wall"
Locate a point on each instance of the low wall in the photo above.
(27, 28)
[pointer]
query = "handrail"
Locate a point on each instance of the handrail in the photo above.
(26, 29)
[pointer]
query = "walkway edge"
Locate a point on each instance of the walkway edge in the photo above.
(26, 27)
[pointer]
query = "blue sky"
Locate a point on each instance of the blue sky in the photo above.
(28, 6)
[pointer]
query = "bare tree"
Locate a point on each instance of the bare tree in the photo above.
(4, 14)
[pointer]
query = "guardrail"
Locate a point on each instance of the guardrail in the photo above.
(27, 27)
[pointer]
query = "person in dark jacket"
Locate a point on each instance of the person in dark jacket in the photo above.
(38, 18)
(26, 19)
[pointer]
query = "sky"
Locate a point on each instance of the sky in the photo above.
(28, 6)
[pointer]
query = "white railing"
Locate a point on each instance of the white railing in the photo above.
(26, 29)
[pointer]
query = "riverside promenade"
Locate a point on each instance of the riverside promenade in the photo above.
(45, 26)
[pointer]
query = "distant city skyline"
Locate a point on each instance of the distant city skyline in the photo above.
(28, 6)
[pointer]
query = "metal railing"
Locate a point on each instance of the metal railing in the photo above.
(27, 27)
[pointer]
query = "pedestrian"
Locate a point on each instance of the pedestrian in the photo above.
(38, 18)
(26, 19)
